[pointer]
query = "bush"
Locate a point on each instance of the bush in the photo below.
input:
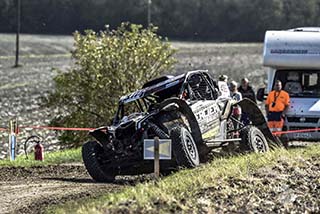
(108, 65)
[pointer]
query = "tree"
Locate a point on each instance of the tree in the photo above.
(108, 65)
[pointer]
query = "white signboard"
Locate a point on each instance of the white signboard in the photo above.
(164, 149)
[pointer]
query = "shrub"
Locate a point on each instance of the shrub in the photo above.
(108, 65)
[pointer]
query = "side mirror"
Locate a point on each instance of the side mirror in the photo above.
(260, 94)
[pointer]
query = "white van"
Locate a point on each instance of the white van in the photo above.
(293, 57)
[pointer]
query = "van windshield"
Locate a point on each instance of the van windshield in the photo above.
(300, 83)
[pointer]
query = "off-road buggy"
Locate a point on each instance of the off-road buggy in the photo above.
(190, 110)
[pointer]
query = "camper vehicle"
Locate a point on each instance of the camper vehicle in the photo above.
(293, 57)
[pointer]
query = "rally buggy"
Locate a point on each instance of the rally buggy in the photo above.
(190, 109)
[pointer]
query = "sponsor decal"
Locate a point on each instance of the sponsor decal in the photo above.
(288, 51)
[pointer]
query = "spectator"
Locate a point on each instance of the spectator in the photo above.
(234, 91)
(277, 104)
(247, 91)
(223, 87)
(236, 109)
(223, 78)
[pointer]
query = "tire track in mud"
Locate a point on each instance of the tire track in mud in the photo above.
(31, 190)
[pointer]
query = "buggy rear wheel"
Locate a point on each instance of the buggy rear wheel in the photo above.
(253, 140)
(91, 154)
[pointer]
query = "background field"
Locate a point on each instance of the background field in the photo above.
(21, 88)
(201, 20)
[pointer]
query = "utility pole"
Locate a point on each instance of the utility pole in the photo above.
(149, 12)
(18, 32)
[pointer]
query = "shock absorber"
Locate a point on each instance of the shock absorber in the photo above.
(158, 131)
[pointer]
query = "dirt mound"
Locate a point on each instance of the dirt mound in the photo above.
(280, 189)
(288, 187)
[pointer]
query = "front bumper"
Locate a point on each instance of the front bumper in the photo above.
(303, 136)
(300, 131)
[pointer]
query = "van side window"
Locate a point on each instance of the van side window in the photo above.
(311, 81)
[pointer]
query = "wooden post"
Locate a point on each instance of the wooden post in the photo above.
(156, 158)
(149, 12)
(18, 32)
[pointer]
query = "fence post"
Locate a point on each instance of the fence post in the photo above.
(18, 9)
(13, 131)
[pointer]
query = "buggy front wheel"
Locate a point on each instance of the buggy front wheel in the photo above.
(184, 147)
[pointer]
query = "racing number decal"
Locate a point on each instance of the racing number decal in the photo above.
(207, 112)
(207, 115)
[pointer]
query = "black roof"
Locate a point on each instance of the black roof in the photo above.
(173, 81)
(169, 82)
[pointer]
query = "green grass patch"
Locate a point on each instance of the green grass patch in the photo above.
(36, 56)
(64, 156)
(13, 86)
(178, 192)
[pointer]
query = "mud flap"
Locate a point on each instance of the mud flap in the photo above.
(257, 118)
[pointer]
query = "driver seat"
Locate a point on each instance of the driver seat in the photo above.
(293, 87)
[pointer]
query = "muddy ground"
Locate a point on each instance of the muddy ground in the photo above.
(31, 190)
(290, 186)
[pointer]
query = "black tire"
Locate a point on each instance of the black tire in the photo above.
(184, 148)
(253, 140)
(91, 152)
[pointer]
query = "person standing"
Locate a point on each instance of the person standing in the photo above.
(247, 91)
(277, 104)
(223, 87)
(236, 111)
(235, 94)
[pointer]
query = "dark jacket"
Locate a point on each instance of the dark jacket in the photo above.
(249, 93)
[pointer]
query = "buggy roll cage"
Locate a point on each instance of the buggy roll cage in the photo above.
(145, 97)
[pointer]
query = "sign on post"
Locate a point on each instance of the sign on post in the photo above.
(164, 149)
(156, 149)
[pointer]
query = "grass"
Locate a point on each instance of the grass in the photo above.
(12, 86)
(37, 56)
(58, 157)
(178, 192)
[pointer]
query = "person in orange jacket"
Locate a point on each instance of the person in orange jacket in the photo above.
(277, 104)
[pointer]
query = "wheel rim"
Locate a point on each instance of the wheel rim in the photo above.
(190, 145)
(259, 143)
